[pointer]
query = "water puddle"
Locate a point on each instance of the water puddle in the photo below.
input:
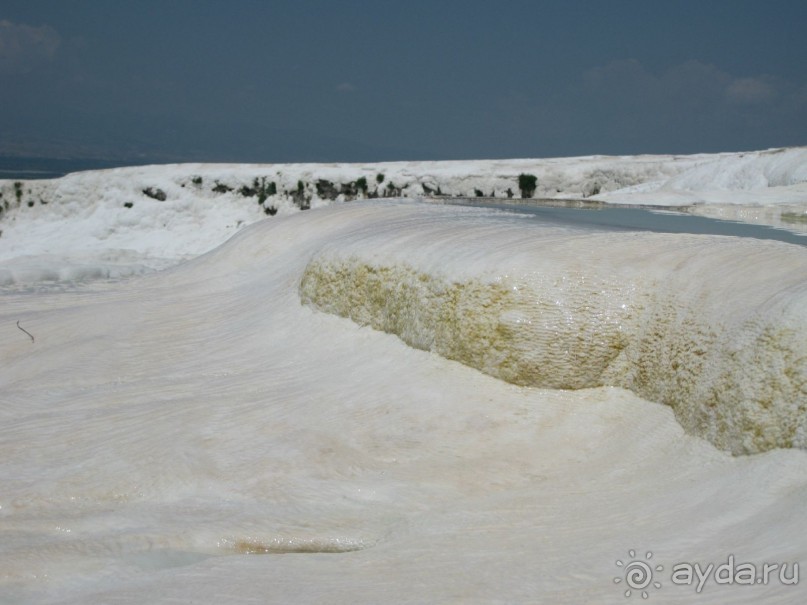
(599, 216)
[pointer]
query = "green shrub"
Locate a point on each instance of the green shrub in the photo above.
(527, 183)
(392, 191)
(248, 191)
(379, 178)
(264, 189)
(155, 193)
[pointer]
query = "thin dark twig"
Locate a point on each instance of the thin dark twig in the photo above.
(26, 331)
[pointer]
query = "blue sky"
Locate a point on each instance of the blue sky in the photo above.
(307, 80)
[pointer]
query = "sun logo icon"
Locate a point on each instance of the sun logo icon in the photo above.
(638, 574)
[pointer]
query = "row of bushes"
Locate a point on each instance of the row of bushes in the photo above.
(263, 189)
(527, 184)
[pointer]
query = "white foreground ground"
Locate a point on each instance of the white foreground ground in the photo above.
(198, 434)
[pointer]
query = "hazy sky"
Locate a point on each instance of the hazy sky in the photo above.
(253, 80)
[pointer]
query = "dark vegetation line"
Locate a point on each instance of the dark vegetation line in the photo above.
(267, 191)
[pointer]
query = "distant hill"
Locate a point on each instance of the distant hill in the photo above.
(29, 168)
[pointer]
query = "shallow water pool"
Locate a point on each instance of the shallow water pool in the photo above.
(616, 218)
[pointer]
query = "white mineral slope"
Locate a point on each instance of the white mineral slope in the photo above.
(716, 327)
(766, 187)
(774, 176)
(102, 224)
(199, 435)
